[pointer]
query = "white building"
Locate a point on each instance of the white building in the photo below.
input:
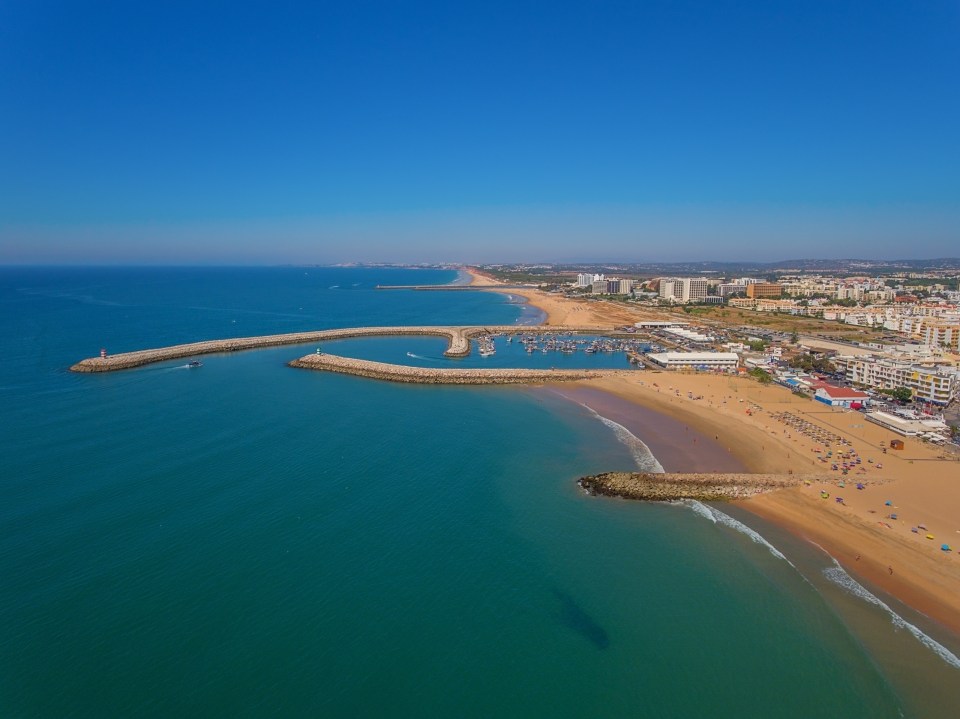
(730, 288)
(841, 397)
(695, 360)
(694, 289)
(684, 289)
(688, 334)
(671, 288)
(929, 384)
(621, 287)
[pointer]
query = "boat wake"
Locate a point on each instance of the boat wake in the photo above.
(641, 453)
(718, 517)
(421, 357)
(839, 576)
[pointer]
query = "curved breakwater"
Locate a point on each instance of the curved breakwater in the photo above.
(430, 375)
(458, 339)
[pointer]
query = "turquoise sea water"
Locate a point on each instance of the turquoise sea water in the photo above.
(246, 539)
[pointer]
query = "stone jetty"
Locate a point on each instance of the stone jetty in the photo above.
(459, 345)
(660, 487)
(458, 339)
(430, 375)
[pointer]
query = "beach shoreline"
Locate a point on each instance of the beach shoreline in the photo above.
(761, 429)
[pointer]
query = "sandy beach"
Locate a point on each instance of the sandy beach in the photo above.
(562, 311)
(725, 423)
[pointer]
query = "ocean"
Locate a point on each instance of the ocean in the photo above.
(247, 539)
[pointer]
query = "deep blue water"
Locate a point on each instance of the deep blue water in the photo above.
(247, 539)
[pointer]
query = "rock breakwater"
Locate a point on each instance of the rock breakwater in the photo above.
(428, 375)
(701, 486)
(458, 339)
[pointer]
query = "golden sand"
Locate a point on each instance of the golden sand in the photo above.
(869, 537)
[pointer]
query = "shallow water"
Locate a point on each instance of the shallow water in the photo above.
(248, 539)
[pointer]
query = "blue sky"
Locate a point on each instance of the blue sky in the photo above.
(458, 131)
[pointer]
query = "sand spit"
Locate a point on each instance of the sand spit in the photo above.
(458, 343)
(704, 487)
(426, 375)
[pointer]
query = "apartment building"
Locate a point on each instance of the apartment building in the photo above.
(684, 289)
(929, 384)
(695, 289)
(763, 290)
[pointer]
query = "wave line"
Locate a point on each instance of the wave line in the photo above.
(838, 575)
(642, 456)
(718, 517)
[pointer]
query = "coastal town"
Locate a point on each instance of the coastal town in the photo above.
(886, 345)
(863, 418)
(840, 434)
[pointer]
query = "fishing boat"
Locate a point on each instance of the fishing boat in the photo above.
(195, 363)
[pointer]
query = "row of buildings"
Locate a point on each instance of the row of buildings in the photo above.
(600, 285)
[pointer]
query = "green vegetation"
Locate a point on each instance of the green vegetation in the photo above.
(757, 345)
(761, 375)
(529, 277)
(902, 394)
(808, 363)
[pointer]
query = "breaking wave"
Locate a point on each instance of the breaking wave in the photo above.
(642, 456)
(718, 517)
(839, 576)
(835, 574)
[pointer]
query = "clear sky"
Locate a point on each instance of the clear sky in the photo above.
(235, 132)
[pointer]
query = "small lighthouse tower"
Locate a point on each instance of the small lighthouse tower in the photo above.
(103, 353)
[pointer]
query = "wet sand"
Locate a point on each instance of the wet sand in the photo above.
(871, 539)
(676, 445)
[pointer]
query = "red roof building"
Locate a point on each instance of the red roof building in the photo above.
(841, 397)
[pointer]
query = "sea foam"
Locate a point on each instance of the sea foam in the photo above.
(838, 575)
(642, 456)
(718, 517)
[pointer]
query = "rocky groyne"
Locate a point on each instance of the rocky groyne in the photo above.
(701, 486)
(429, 375)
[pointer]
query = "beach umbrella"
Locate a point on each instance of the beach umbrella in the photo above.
(888, 503)
(929, 536)
(946, 548)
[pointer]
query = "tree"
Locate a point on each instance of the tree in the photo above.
(761, 375)
(902, 394)
(808, 363)
(794, 337)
